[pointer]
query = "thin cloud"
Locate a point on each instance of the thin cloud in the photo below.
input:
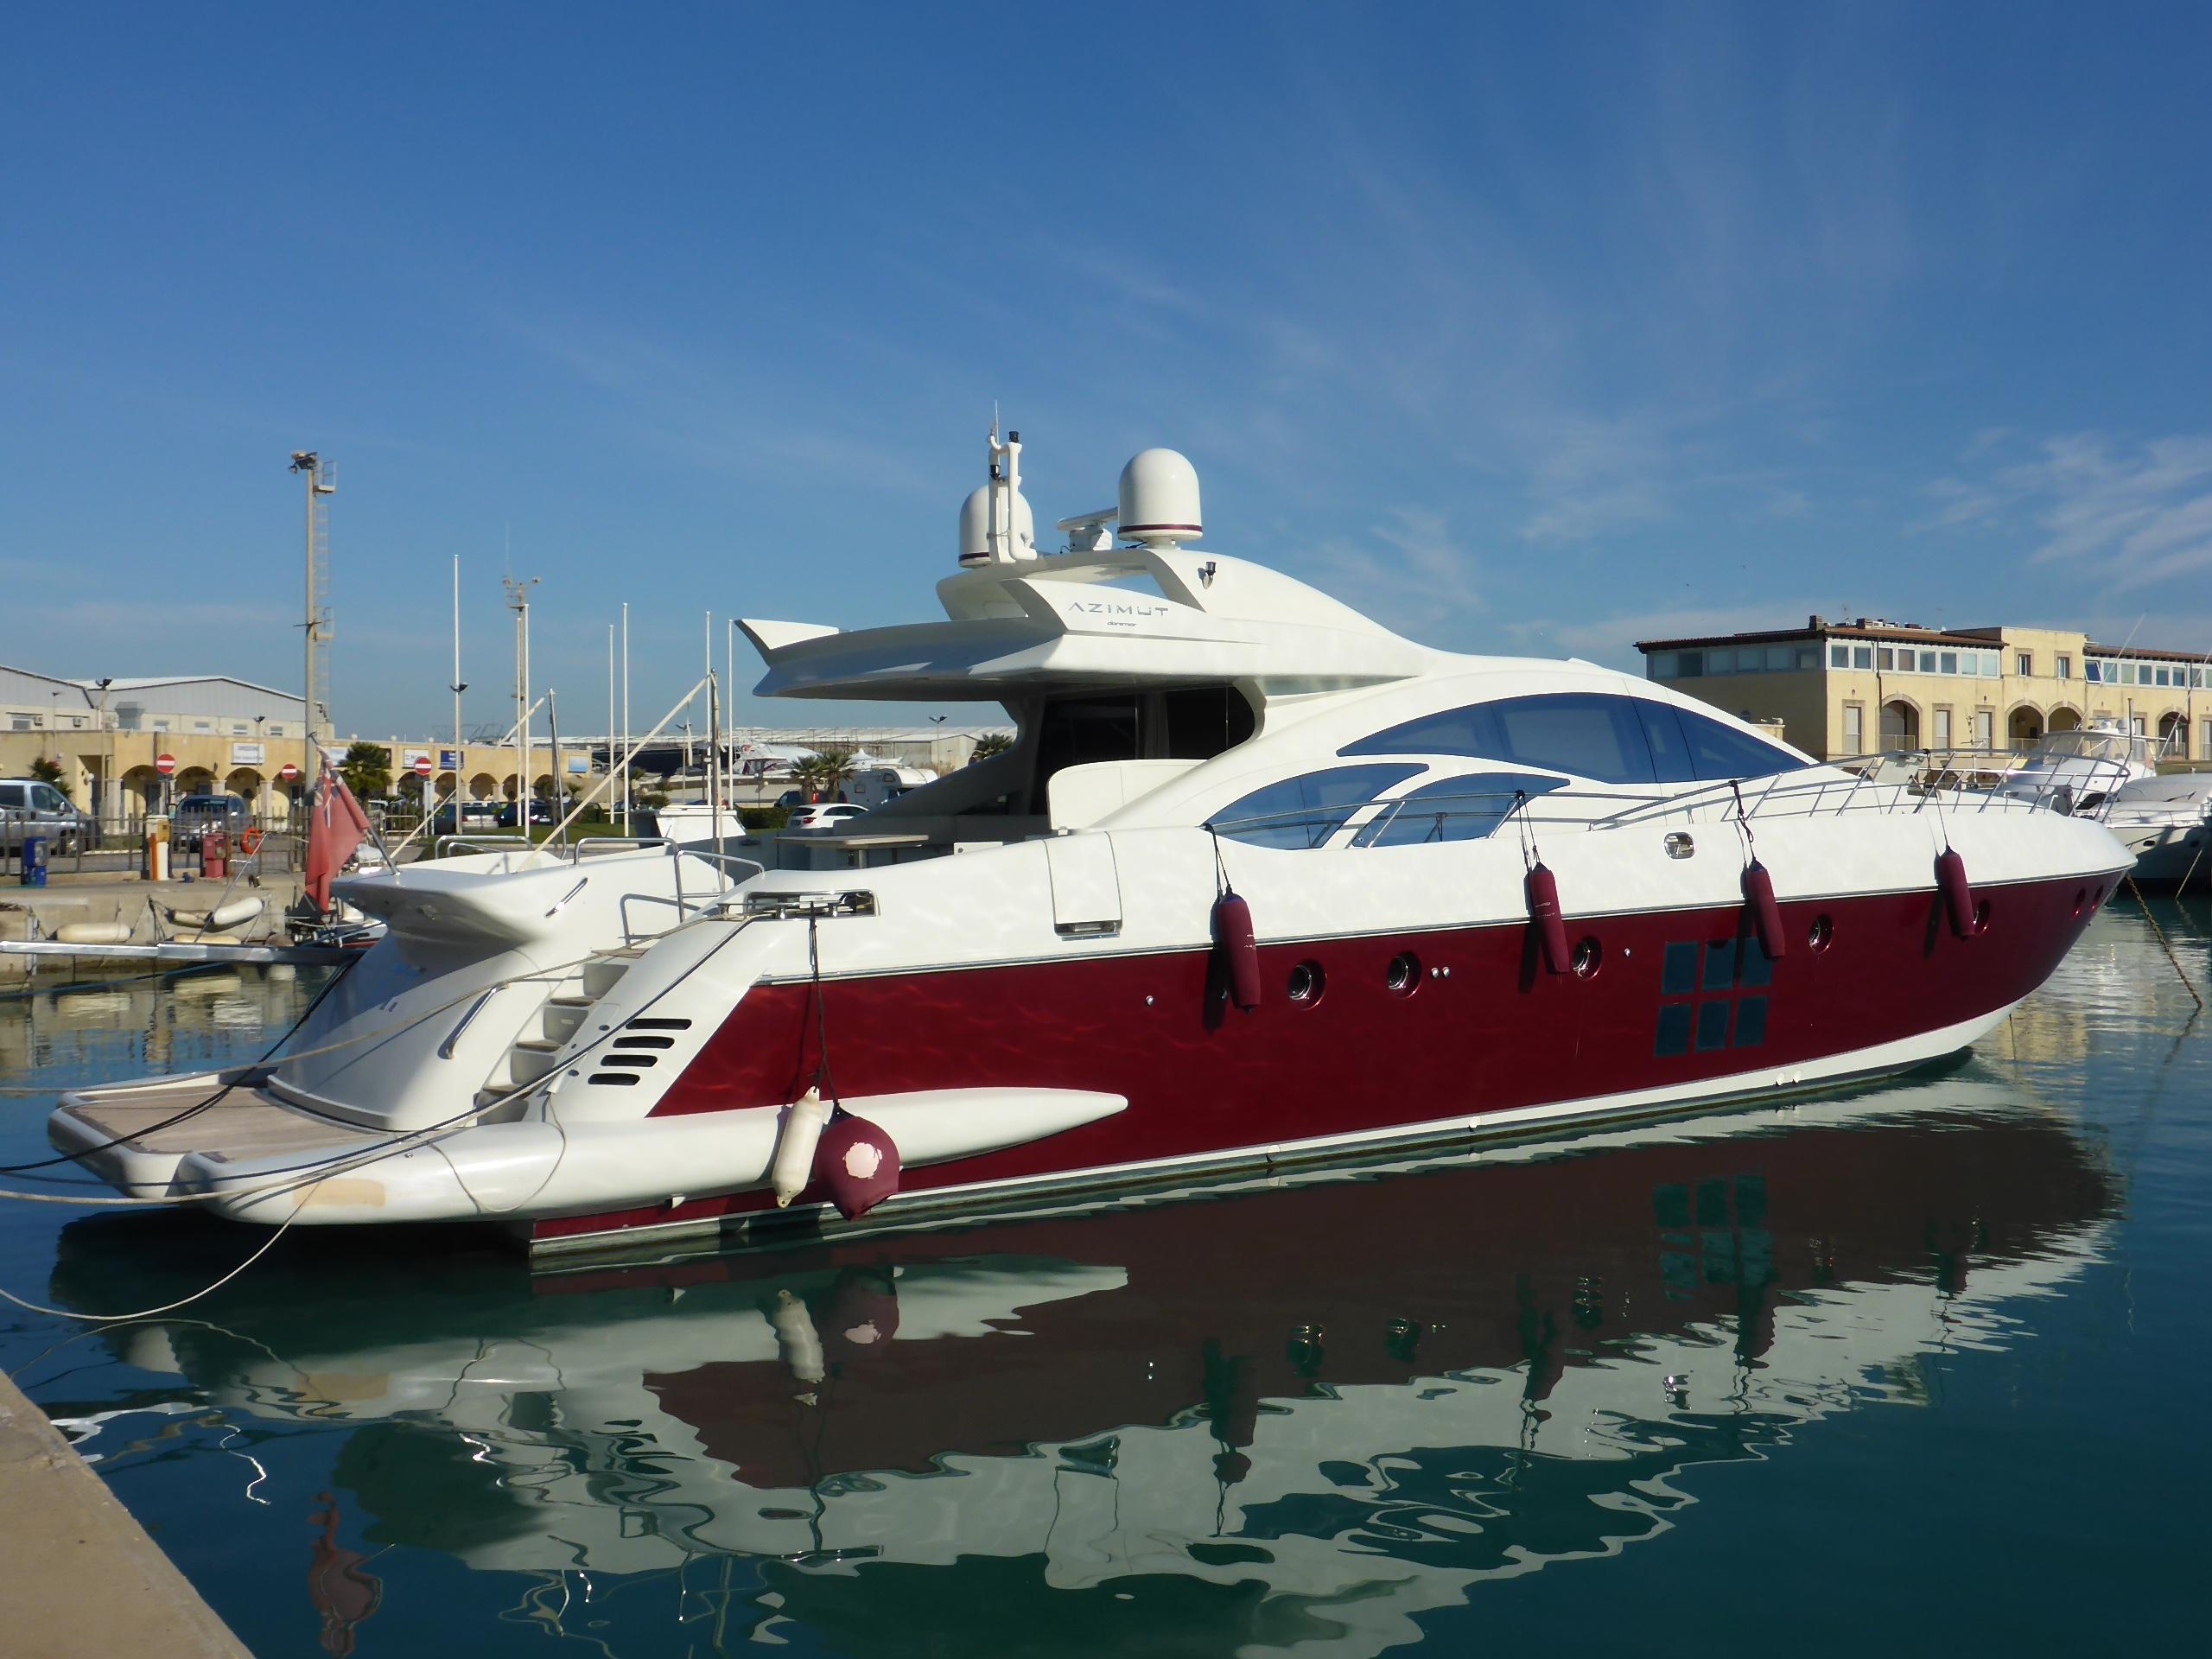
(2127, 515)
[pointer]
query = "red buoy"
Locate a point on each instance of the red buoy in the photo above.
(1544, 916)
(1766, 914)
(1232, 937)
(1958, 892)
(857, 1165)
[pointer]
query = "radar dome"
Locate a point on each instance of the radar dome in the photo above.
(975, 528)
(1160, 499)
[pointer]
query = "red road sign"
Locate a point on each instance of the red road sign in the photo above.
(422, 768)
(166, 765)
(288, 772)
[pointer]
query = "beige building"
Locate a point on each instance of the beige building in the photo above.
(222, 735)
(1842, 688)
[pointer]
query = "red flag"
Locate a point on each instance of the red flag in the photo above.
(336, 825)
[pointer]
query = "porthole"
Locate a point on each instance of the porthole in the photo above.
(1305, 982)
(1402, 976)
(1821, 932)
(1588, 956)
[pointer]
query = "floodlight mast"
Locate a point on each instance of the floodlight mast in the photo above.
(321, 476)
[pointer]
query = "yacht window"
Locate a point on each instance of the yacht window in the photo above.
(1304, 811)
(1465, 808)
(1614, 740)
(1579, 731)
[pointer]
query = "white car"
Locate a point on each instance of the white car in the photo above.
(824, 815)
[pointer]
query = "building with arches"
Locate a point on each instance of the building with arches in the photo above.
(1847, 687)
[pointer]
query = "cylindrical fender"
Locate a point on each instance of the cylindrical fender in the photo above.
(793, 1164)
(1958, 892)
(1766, 913)
(857, 1163)
(1545, 916)
(1232, 935)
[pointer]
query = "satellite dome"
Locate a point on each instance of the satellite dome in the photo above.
(975, 528)
(1160, 499)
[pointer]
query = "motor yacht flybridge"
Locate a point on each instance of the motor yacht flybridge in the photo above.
(1260, 882)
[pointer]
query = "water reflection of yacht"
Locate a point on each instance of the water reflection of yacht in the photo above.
(1216, 1395)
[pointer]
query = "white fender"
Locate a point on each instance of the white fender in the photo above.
(794, 1162)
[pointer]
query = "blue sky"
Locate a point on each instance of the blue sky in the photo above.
(1529, 329)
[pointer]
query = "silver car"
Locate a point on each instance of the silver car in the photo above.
(29, 807)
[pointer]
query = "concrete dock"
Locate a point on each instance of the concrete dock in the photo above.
(78, 1576)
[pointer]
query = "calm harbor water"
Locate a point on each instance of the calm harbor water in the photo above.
(1921, 1367)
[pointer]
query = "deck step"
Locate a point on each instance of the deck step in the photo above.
(532, 1059)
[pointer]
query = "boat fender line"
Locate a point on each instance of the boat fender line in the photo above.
(857, 1163)
(1766, 912)
(799, 1344)
(1544, 915)
(793, 1164)
(1240, 950)
(1958, 892)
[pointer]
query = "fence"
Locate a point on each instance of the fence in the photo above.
(87, 845)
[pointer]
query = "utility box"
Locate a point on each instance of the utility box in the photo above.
(33, 871)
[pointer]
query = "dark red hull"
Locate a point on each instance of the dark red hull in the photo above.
(1485, 1030)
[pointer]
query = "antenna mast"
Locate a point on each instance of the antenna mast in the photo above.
(321, 476)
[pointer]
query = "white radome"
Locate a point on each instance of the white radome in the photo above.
(975, 527)
(1160, 499)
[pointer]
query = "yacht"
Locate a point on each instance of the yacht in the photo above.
(1260, 882)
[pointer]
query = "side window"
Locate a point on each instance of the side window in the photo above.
(1719, 752)
(1587, 734)
(1304, 811)
(1466, 808)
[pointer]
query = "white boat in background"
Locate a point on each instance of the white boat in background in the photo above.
(1260, 882)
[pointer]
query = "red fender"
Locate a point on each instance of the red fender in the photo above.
(1766, 913)
(1232, 937)
(1958, 892)
(1544, 916)
(857, 1165)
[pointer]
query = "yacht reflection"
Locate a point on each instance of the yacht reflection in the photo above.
(1291, 1416)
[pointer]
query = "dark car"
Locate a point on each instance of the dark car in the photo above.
(196, 815)
(540, 812)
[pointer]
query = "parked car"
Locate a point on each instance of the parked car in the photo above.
(540, 812)
(826, 815)
(29, 807)
(196, 815)
(473, 814)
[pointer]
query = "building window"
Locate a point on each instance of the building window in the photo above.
(2026, 662)
(1942, 729)
(1985, 729)
(1854, 728)
(2065, 666)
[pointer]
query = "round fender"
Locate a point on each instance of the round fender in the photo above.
(857, 1163)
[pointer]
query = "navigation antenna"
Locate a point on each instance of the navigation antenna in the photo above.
(321, 475)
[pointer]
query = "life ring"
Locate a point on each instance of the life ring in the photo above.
(249, 842)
